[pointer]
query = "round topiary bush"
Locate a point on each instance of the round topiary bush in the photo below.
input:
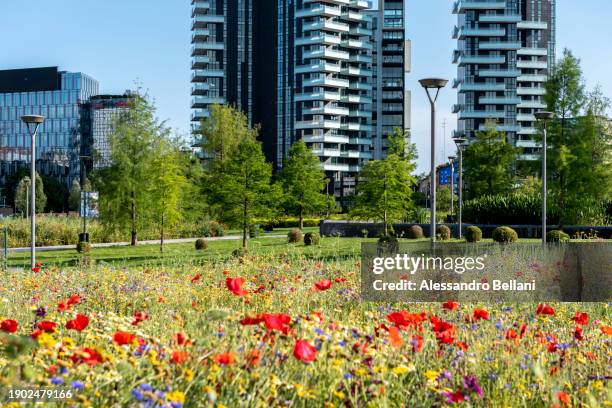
(415, 232)
(83, 247)
(505, 235)
(473, 234)
(557, 236)
(312, 238)
(295, 236)
(201, 244)
(443, 233)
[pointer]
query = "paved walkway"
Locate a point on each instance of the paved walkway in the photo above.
(113, 244)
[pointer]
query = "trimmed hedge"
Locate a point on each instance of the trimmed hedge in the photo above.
(312, 238)
(415, 232)
(505, 235)
(473, 234)
(443, 233)
(201, 244)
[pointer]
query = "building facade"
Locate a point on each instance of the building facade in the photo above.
(506, 49)
(56, 95)
(98, 120)
(391, 63)
(304, 69)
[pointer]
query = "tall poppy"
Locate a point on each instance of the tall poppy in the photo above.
(122, 338)
(9, 326)
(323, 284)
(234, 285)
(304, 351)
(79, 323)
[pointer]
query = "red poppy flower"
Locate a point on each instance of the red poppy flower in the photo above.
(74, 300)
(46, 326)
(606, 329)
(450, 305)
(279, 322)
(440, 326)
(179, 357)
(253, 358)
(227, 358)
(340, 280)
(123, 338)
(304, 351)
(564, 397)
(455, 397)
(395, 338)
(510, 334)
(403, 319)
(481, 314)
(545, 310)
(79, 323)
(88, 356)
(234, 285)
(139, 317)
(552, 347)
(36, 269)
(462, 345)
(36, 333)
(250, 321)
(9, 326)
(323, 284)
(523, 330)
(581, 318)
(180, 339)
(196, 278)
(578, 333)
(63, 306)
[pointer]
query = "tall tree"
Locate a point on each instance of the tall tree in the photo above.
(125, 193)
(385, 189)
(167, 187)
(57, 194)
(241, 183)
(74, 199)
(303, 181)
(488, 163)
(23, 197)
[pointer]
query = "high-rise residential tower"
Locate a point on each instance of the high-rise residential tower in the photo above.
(506, 49)
(391, 63)
(56, 95)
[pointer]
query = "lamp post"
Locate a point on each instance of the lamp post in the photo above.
(544, 117)
(452, 159)
(433, 84)
(84, 237)
(460, 142)
(33, 122)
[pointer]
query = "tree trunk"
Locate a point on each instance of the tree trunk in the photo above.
(134, 233)
(161, 241)
(385, 223)
(301, 217)
(245, 225)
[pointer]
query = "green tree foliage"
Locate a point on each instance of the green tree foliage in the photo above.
(488, 163)
(223, 131)
(168, 183)
(530, 186)
(241, 183)
(125, 193)
(57, 195)
(443, 199)
(74, 199)
(303, 181)
(579, 144)
(23, 197)
(384, 191)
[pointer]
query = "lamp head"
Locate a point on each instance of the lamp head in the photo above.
(433, 83)
(452, 158)
(33, 119)
(459, 141)
(544, 115)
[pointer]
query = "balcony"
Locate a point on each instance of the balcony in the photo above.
(472, 114)
(532, 25)
(325, 39)
(528, 143)
(499, 73)
(317, 124)
(361, 31)
(319, 10)
(532, 78)
(532, 64)
(331, 82)
(357, 44)
(199, 7)
(200, 75)
(533, 51)
(528, 131)
(360, 4)
(356, 127)
(366, 59)
(481, 87)
(200, 34)
(199, 114)
(499, 45)
(499, 100)
(201, 88)
(204, 101)
(525, 118)
(461, 33)
(457, 108)
(530, 91)
(203, 21)
(461, 6)
(362, 86)
(356, 99)
(356, 71)
(501, 128)
(326, 110)
(317, 96)
(531, 105)
(326, 53)
(326, 139)
(199, 62)
(478, 59)
(500, 18)
(326, 25)
(321, 67)
(203, 47)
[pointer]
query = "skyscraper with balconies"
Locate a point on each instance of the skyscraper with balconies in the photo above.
(391, 63)
(505, 51)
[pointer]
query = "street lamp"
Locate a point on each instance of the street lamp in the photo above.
(460, 142)
(433, 84)
(544, 117)
(33, 122)
(451, 160)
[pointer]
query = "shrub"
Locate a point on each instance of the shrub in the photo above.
(295, 236)
(473, 234)
(443, 233)
(217, 229)
(415, 232)
(312, 238)
(268, 227)
(83, 247)
(240, 252)
(201, 244)
(557, 236)
(254, 230)
(505, 235)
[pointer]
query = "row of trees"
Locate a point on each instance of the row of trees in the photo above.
(580, 148)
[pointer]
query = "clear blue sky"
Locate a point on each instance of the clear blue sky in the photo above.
(121, 41)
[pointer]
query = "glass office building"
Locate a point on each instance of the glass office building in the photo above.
(56, 95)
(506, 49)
